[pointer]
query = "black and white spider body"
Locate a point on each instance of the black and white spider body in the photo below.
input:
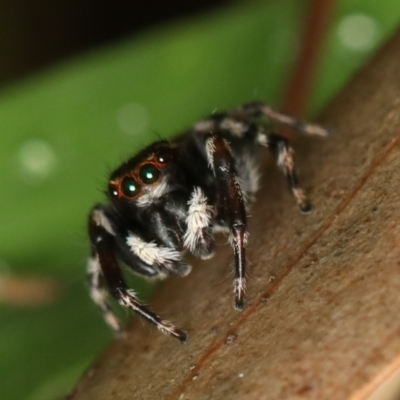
(172, 196)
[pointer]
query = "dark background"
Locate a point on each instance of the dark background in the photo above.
(34, 34)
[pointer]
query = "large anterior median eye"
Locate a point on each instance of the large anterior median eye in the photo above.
(149, 173)
(129, 187)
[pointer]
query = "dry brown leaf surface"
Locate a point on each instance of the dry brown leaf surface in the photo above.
(323, 291)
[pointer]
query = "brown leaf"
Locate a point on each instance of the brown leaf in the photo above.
(28, 291)
(323, 290)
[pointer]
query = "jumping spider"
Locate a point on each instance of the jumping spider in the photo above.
(172, 196)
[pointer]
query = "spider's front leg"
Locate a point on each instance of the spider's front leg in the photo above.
(221, 161)
(103, 262)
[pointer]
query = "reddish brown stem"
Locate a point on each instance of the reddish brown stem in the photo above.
(298, 90)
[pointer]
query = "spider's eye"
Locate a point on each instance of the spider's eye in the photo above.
(162, 158)
(149, 173)
(130, 188)
(112, 191)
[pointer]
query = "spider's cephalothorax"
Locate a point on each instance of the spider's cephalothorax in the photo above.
(172, 196)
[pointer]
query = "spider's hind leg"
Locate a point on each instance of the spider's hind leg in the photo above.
(259, 109)
(281, 148)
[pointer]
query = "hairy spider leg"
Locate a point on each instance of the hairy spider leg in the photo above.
(98, 293)
(258, 109)
(222, 163)
(102, 241)
(280, 147)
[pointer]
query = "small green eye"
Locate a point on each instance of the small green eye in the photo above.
(130, 188)
(162, 158)
(149, 173)
(112, 191)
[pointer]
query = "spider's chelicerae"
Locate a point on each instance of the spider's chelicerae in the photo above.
(172, 196)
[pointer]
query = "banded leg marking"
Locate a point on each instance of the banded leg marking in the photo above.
(102, 246)
(284, 157)
(222, 163)
(99, 295)
(257, 109)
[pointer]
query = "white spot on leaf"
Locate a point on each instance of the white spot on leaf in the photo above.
(132, 118)
(37, 160)
(358, 32)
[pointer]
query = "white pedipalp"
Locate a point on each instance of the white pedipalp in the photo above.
(199, 217)
(151, 253)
